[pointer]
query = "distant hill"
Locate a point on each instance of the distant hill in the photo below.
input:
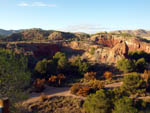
(140, 32)
(39, 34)
(8, 32)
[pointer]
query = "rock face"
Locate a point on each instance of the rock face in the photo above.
(112, 55)
(116, 47)
(36, 49)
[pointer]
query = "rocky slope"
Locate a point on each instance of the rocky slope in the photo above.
(106, 47)
(116, 47)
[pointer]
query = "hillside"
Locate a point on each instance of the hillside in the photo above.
(39, 34)
(8, 32)
(139, 32)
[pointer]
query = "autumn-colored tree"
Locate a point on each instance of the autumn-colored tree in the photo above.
(39, 85)
(108, 75)
(56, 80)
(52, 79)
(60, 77)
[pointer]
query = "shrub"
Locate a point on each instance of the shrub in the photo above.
(125, 105)
(98, 103)
(133, 83)
(96, 84)
(84, 91)
(126, 65)
(90, 76)
(92, 51)
(108, 75)
(75, 88)
(39, 85)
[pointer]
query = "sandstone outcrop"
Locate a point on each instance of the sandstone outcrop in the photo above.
(116, 47)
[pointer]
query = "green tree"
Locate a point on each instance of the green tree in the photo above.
(133, 83)
(126, 65)
(59, 55)
(98, 103)
(140, 65)
(82, 66)
(14, 76)
(138, 55)
(61, 60)
(46, 67)
(124, 105)
(41, 66)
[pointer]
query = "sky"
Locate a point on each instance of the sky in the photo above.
(75, 15)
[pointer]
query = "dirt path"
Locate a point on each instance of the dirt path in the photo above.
(114, 85)
(64, 91)
(50, 92)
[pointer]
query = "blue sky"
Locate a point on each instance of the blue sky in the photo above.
(75, 15)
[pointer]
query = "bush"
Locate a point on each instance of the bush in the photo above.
(92, 51)
(126, 65)
(90, 76)
(125, 105)
(75, 88)
(96, 85)
(108, 75)
(98, 103)
(133, 84)
(84, 91)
